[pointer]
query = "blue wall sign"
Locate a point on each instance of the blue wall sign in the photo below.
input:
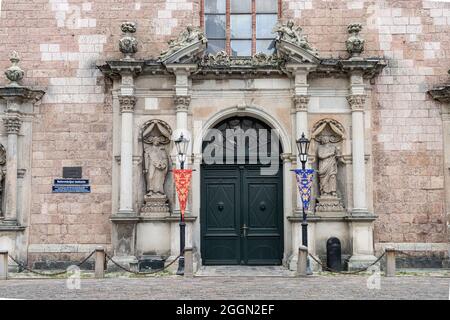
(71, 189)
(70, 181)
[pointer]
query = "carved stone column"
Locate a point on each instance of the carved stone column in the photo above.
(300, 102)
(127, 104)
(12, 123)
(359, 172)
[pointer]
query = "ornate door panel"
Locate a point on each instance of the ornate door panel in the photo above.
(220, 220)
(262, 214)
(241, 216)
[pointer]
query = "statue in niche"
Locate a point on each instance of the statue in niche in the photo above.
(155, 139)
(328, 133)
(327, 154)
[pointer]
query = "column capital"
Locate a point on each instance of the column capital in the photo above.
(357, 102)
(182, 102)
(12, 122)
(127, 103)
(300, 102)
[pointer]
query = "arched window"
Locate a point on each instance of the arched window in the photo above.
(240, 27)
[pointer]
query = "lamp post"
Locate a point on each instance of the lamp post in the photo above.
(305, 189)
(303, 146)
(182, 144)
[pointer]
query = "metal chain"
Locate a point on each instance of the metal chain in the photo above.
(141, 272)
(46, 274)
(346, 272)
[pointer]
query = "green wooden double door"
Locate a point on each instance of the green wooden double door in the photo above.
(241, 215)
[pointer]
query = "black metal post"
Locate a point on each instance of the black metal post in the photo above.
(305, 231)
(180, 270)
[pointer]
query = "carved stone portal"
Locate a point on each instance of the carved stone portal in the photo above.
(328, 133)
(155, 140)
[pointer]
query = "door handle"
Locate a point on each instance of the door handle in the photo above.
(244, 228)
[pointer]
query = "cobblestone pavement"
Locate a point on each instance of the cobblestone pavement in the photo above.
(173, 287)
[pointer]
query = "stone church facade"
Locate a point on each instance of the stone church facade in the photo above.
(106, 86)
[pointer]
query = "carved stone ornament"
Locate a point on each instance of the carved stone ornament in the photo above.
(14, 73)
(336, 131)
(182, 102)
(186, 46)
(221, 59)
(12, 123)
(127, 103)
(128, 44)
(2, 155)
(355, 44)
(357, 102)
(290, 37)
(300, 102)
(328, 133)
(2, 173)
(155, 136)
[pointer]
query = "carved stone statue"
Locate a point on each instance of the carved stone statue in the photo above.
(14, 73)
(128, 44)
(327, 154)
(328, 133)
(294, 34)
(355, 44)
(155, 138)
(187, 37)
(156, 166)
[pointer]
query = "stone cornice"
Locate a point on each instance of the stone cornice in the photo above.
(127, 103)
(24, 94)
(116, 68)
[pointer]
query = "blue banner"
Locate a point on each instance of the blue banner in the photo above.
(304, 182)
(71, 189)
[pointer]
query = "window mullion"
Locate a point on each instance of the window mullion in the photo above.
(228, 27)
(253, 27)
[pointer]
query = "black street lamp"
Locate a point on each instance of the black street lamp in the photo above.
(303, 146)
(182, 144)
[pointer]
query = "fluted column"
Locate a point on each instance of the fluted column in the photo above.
(12, 123)
(127, 104)
(359, 172)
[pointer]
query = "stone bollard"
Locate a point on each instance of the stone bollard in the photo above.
(99, 263)
(188, 263)
(302, 261)
(390, 261)
(3, 265)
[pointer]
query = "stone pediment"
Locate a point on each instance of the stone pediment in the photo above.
(189, 45)
(441, 94)
(294, 53)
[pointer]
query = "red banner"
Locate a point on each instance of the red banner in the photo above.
(182, 181)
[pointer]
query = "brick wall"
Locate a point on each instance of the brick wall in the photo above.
(60, 41)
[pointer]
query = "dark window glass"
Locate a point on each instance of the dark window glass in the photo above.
(215, 6)
(265, 24)
(215, 46)
(241, 47)
(215, 26)
(265, 46)
(241, 6)
(241, 26)
(266, 6)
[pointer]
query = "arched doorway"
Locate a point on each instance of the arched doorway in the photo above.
(241, 194)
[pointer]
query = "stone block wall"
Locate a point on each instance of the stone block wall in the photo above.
(61, 40)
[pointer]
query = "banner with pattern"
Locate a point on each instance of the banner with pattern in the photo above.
(182, 179)
(304, 182)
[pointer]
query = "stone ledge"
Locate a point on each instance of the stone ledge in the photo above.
(11, 228)
(166, 219)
